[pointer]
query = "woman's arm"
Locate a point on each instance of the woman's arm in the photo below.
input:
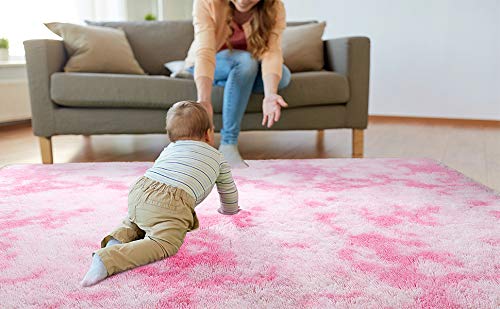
(272, 67)
(204, 31)
(204, 90)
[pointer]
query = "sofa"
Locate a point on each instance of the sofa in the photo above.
(96, 103)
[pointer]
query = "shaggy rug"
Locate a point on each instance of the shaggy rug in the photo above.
(370, 233)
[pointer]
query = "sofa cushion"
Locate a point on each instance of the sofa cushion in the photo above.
(156, 42)
(303, 47)
(160, 92)
(96, 49)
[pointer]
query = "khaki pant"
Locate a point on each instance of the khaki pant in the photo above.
(159, 216)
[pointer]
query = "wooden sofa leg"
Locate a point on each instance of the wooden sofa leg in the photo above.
(320, 141)
(320, 136)
(357, 143)
(46, 149)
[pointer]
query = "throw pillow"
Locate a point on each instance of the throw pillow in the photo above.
(178, 70)
(303, 47)
(96, 49)
(155, 42)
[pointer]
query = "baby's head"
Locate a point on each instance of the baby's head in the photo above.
(188, 120)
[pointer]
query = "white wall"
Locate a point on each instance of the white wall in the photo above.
(14, 97)
(138, 9)
(430, 58)
(177, 9)
(170, 9)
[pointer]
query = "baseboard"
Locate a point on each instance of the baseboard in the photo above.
(23, 122)
(436, 121)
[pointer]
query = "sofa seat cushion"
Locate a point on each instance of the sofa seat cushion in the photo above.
(98, 90)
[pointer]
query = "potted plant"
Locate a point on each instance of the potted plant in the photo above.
(150, 17)
(4, 49)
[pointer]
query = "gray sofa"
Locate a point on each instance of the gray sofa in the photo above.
(89, 103)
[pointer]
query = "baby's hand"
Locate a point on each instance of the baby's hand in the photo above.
(221, 210)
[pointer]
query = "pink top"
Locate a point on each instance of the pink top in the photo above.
(238, 39)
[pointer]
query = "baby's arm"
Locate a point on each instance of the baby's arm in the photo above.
(227, 190)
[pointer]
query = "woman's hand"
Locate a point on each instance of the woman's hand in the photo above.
(271, 109)
(208, 106)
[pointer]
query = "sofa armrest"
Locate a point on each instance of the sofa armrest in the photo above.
(350, 57)
(43, 57)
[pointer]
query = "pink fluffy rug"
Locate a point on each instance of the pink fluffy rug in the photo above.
(371, 233)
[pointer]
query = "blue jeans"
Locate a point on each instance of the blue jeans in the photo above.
(240, 75)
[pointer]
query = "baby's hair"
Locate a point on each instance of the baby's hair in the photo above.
(187, 120)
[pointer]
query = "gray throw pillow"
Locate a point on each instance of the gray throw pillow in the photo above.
(303, 47)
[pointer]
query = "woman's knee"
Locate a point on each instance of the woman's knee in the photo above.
(286, 76)
(245, 61)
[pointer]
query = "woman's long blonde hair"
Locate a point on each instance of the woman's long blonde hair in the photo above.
(263, 21)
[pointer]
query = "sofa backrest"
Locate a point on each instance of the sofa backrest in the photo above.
(157, 42)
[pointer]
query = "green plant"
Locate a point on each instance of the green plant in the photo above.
(150, 17)
(4, 43)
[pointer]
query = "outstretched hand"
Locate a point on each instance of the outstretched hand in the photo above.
(271, 109)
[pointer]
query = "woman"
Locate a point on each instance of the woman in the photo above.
(238, 45)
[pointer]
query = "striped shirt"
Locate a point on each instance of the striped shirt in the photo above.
(196, 167)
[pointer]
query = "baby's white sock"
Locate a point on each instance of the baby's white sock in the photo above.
(232, 156)
(96, 273)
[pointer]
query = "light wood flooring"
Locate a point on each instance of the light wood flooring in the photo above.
(471, 147)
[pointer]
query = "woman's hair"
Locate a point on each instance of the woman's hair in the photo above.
(262, 23)
(187, 120)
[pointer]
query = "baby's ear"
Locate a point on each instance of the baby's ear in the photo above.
(207, 135)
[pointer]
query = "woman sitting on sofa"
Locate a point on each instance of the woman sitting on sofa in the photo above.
(238, 45)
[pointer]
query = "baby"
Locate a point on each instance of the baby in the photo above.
(161, 203)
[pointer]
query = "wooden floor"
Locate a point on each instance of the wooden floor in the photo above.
(472, 147)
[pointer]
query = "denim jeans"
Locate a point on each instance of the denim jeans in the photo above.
(240, 75)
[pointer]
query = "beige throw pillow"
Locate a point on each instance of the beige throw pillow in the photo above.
(96, 49)
(303, 47)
